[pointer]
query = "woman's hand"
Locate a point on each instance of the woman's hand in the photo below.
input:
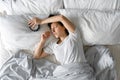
(45, 36)
(33, 22)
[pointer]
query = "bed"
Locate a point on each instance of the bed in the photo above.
(98, 21)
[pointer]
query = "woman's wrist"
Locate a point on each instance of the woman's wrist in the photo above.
(41, 21)
(42, 42)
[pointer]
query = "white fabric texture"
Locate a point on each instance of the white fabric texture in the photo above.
(36, 6)
(15, 32)
(5, 7)
(4, 54)
(93, 4)
(97, 27)
(103, 63)
(13, 7)
(99, 57)
(68, 51)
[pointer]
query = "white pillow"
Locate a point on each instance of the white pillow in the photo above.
(12, 7)
(36, 6)
(97, 27)
(5, 7)
(92, 4)
(15, 33)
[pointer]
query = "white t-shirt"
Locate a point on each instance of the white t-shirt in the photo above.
(68, 51)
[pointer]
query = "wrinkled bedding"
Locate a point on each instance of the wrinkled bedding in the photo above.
(22, 66)
(101, 60)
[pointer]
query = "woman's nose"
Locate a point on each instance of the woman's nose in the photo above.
(53, 30)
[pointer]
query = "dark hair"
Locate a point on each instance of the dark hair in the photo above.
(49, 25)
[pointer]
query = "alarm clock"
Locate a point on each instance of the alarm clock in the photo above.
(36, 28)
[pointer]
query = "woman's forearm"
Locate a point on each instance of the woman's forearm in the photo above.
(38, 50)
(60, 18)
(51, 19)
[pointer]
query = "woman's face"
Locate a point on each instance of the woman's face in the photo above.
(57, 29)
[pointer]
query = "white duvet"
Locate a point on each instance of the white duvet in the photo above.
(21, 66)
(22, 63)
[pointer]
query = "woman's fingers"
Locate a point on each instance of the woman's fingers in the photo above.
(29, 22)
(32, 24)
(46, 34)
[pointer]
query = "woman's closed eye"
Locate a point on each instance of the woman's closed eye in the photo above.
(53, 28)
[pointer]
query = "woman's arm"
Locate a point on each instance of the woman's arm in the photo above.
(39, 53)
(59, 18)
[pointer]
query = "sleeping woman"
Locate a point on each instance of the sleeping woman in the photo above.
(67, 47)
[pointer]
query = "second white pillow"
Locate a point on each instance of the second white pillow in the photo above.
(97, 27)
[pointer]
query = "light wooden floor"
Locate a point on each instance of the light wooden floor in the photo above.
(116, 54)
